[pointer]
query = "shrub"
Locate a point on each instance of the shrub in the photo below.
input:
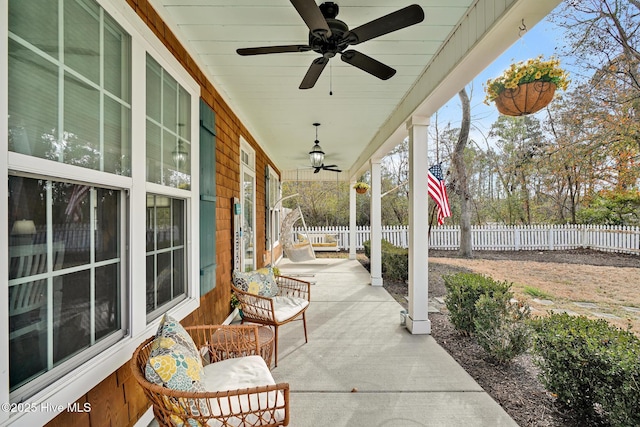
(590, 364)
(395, 260)
(463, 291)
(500, 326)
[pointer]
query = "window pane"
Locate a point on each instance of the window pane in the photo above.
(81, 139)
(107, 224)
(33, 105)
(178, 222)
(163, 222)
(36, 21)
(184, 114)
(117, 138)
(169, 102)
(154, 153)
(82, 38)
(178, 272)
(151, 287)
(117, 60)
(154, 89)
(71, 333)
(164, 277)
(107, 307)
(72, 221)
(151, 223)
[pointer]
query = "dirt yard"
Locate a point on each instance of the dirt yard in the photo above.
(595, 284)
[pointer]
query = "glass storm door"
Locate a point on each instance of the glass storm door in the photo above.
(247, 201)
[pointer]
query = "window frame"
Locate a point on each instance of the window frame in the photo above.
(79, 380)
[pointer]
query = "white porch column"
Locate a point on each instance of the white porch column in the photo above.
(352, 220)
(376, 223)
(418, 322)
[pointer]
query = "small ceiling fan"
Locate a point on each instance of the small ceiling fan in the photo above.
(316, 156)
(329, 36)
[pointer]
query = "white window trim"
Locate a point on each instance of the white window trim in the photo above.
(273, 175)
(249, 168)
(52, 400)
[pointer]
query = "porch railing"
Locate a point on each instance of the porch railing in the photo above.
(621, 239)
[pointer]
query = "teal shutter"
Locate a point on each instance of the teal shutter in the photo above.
(207, 199)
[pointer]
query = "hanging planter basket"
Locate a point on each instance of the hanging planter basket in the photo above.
(527, 98)
(361, 190)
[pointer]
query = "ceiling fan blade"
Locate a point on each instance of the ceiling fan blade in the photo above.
(273, 49)
(312, 16)
(313, 73)
(332, 169)
(368, 64)
(394, 21)
(329, 166)
(317, 170)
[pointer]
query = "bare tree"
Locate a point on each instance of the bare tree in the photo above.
(461, 182)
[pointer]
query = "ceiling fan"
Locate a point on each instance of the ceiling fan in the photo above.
(329, 36)
(316, 155)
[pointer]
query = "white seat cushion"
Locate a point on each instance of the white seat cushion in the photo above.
(239, 373)
(287, 307)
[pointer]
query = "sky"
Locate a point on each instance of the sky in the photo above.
(542, 39)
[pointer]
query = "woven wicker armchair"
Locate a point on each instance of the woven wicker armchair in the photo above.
(277, 311)
(264, 405)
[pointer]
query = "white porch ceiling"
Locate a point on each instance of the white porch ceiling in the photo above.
(365, 116)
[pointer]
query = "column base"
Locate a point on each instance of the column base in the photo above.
(419, 327)
(376, 281)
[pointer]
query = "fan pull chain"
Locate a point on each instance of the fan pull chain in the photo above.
(330, 79)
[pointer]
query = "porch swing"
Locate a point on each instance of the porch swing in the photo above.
(300, 249)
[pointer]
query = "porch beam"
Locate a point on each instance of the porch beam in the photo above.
(418, 321)
(376, 223)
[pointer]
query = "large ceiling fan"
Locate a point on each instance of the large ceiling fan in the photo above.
(329, 36)
(316, 156)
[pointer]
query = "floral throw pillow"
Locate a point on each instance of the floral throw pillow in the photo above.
(174, 361)
(259, 282)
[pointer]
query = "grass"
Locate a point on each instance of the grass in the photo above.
(535, 292)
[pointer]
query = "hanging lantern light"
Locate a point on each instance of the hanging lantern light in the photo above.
(316, 155)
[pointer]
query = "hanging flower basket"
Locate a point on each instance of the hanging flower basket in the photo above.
(527, 98)
(526, 87)
(361, 187)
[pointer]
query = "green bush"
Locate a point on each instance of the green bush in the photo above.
(463, 291)
(592, 367)
(395, 260)
(500, 326)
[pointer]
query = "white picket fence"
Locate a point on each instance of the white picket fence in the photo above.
(506, 238)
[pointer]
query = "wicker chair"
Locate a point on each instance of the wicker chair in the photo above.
(264, 405)
(267, 311)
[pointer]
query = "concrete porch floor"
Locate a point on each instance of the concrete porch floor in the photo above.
(356, 343)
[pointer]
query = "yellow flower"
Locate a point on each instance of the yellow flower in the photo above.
(165, 366)
(534, 69)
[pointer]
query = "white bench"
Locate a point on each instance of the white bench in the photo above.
(322, 242)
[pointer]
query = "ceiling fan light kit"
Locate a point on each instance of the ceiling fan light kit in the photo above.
(329, 37)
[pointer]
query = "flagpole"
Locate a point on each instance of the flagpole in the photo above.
(433, 211)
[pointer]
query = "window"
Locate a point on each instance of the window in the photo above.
(168, 129)
(65, 275)
(70, 85)
(168, 159)
(69, 101)
(166, 254)
(84, 207)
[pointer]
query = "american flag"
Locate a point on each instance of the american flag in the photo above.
(438, 192)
